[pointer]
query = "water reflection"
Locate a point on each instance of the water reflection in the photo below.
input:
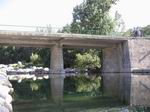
(82, 93)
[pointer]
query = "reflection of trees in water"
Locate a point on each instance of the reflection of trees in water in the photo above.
(83, 84)
(40, 89)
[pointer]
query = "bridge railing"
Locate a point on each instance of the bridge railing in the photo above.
(49, 29)
(44, 29)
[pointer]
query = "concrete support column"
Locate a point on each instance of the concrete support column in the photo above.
(116, 72)
(126, 71)
(111, 71)
(57, 63)
(57, 73)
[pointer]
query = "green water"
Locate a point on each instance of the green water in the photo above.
(76, 104)
(70, 104)
(81, 94)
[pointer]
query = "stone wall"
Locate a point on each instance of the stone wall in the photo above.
(139, 53)
(140, 89)
(140, 65)
(5, 90)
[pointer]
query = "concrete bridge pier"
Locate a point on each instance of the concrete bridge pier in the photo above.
(126, 71)
(117, 72)
(57, 73)
(111, 70)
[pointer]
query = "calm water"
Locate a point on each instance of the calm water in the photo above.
(70, 104)
(81, 94)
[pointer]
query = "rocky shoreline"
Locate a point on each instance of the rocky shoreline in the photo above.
(5, 93)
(19, 72)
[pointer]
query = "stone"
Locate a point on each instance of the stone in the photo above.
(2, 101)
(5, 90)
(4, 109)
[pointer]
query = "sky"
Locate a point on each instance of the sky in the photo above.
(58, 13)
(134, 12)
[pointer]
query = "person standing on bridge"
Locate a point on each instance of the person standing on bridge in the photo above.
(137, 32)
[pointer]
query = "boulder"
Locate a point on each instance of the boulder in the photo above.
(5, 90)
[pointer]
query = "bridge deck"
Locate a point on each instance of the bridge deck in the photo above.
(36, 39)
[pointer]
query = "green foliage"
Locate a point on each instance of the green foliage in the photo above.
(146, 31)
(14, 54)
(66, 29)
(44, 55)
(35, 58)
(88, 60)
(70, 56)
(92, 17)
(119, 25)
(128, 33)
(40, 89)
(88, 85)
(29, 89)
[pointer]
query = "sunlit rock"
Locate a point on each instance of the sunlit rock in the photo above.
(46, 77)
(5, 90)
(34, 78)
(4, 109)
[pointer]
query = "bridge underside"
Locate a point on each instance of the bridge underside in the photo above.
(121, 57)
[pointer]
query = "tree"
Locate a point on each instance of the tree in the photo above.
(88, 60)
(10, 54)
(90, 17)
(146, 31)
(128, 33)
(120, 24)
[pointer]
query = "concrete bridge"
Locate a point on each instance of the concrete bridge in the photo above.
(126, 61)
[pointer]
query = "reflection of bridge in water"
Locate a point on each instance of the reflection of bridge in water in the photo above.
(120, 55)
